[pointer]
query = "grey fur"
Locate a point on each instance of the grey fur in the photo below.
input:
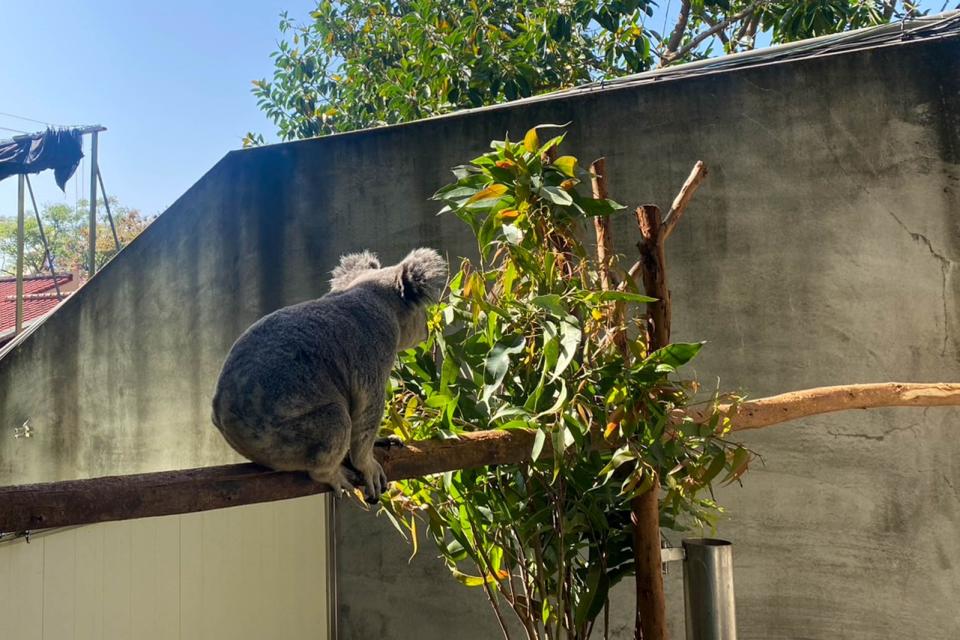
(304, 387)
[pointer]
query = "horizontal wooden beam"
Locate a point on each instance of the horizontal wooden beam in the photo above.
(765, 412)
(74, 502)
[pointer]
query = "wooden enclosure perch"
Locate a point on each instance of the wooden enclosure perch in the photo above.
(74, 502)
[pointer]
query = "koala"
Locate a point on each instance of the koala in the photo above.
(304, 387)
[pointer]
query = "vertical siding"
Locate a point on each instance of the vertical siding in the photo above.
(248, 572)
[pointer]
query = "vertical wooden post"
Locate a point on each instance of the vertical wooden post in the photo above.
(651, 601)
(651, 623)
(654, 230)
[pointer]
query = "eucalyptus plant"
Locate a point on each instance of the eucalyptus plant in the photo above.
(528, 339)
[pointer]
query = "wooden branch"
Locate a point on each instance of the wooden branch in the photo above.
(605, 253)
(76, 502)
(696, 40)
(653, 265)
(764, 412)
(680, 203)
(676, 36)
(601, 224)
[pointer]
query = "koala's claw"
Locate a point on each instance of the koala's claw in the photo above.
(336, 480)
(389, 442)
(375, 482)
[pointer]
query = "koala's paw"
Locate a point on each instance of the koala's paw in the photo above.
(389, 442)
(374, 481)
(335, 479)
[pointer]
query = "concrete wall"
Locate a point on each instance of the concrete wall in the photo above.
(822, 249)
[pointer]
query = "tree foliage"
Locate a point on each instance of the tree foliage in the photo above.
(525, 340)
(360, 64)
(66, 229)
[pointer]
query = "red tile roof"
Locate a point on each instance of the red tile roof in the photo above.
(40, 297)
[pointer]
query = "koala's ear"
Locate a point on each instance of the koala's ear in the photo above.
(351, 266)
(421, 276)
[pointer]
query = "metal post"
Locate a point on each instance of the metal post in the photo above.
(43, 239)
(708, 589)
(20, 216)
(92, 250)
(106, 205)
(333, 603)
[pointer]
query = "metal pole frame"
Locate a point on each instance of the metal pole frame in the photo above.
(333, 601)
(20, 216)
(106, 205)
(92, 249)
(43, 239)
(708, 597)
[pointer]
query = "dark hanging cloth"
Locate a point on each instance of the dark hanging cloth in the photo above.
(57, 149)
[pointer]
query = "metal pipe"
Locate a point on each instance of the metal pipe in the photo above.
(92, 249)
(708, 589)
(20, 216)
(106, 205)
(333, 602)
(43, 239)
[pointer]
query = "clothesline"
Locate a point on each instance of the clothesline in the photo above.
(58, 149)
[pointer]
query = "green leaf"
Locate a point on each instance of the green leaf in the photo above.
(676, 354)
(498, 362)
(622, 455)
(570, 335)
(623, 296)
(561, 399)
(593, 207)
(556, 195)
(594, 596)
(738, 465)
(714, 469)
(512, 233)
(552, 303)
(538, 441)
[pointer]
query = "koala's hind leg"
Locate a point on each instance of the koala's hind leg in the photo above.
(365, 428)
(328, 429)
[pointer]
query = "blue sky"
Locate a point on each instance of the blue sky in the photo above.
(170, 80)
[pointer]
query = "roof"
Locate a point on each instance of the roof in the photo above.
(39, 298)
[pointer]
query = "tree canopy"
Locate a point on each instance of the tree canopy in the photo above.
(357, 64)
(66, 229)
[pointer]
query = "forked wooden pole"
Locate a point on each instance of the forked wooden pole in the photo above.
(651, 621)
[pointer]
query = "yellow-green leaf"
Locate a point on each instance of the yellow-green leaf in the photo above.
(476, 581)
(530, 141)
(566, 164)
(489, 193)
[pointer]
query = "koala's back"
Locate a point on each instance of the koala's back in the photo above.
(300, 357)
